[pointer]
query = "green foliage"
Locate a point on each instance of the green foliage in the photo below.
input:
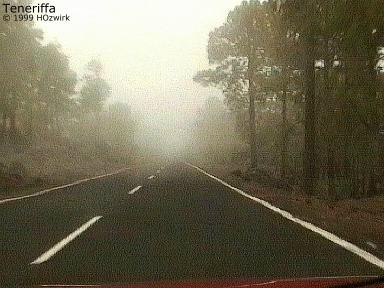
(56, 83)
(95, 90)
(39, 97)
(315, 67)
(230, 77)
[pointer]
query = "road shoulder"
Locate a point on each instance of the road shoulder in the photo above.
(358, 221)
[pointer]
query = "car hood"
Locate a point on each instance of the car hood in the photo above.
(287, 283)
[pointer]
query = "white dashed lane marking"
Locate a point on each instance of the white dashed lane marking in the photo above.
(133, 191)
(60, 245)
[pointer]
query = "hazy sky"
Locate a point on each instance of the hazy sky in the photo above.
(150, 49)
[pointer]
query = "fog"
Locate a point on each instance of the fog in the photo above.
(150, 51)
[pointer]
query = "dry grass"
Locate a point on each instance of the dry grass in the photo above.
(49, 164)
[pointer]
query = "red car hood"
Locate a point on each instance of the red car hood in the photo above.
(288, 283)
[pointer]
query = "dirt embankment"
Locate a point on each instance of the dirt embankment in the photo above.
(24, 170)
(360, 221)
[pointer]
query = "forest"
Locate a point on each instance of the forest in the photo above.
(47, 110)
(303, 82)
(192, 143)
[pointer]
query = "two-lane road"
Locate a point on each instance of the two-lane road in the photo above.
(161, 223)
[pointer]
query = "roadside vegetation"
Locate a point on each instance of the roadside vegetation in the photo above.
(303, 86)
(54, 125)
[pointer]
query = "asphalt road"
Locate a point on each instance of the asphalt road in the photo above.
(179, 225)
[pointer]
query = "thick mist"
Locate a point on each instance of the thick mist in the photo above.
(150, 51)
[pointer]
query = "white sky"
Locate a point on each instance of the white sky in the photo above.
(150, 49)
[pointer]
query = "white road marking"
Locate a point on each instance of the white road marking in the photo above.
(60, 245)
(60, 187)
(133, 191)
(329, 236)
(151, 177)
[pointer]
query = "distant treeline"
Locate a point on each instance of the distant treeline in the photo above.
(305, 82)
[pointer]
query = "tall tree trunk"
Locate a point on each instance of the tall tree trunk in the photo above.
(4, 125)
(284, 127)
(12, 117)
(12, 125)
(373, 87)
(30, 116)
(331, 171)
(349, 171)
(252, 113)
(310, 119)
(330, 124)
(381, 159)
